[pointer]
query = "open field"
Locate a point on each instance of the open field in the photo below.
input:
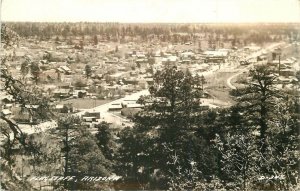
(85, 103)
(216, 86)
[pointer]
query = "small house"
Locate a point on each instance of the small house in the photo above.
(6, 112)
(91, 116)
(62, 93)
(115, 107)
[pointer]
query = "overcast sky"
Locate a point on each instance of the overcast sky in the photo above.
(152, 10)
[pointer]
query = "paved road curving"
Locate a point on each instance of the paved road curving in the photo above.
(253, 55)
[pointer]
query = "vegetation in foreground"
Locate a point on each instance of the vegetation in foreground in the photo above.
(176, 143)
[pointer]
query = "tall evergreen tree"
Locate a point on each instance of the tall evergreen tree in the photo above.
(35, 71)
(257, 100)
(25, 68)
(166, 128)
(88, 71)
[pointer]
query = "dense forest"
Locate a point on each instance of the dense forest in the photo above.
(256, 33)
(175, 144)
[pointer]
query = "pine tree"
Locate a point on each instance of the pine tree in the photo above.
(166, 126)
(88, 71)
(35, 71)
(257, 100)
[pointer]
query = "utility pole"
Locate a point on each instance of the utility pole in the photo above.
(278, 53)
(279, 64)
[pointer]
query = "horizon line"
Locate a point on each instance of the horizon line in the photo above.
(118, 22)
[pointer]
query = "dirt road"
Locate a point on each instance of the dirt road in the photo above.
(253, 55)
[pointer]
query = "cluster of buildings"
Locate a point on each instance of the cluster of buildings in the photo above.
(119, 70)
(286, 70)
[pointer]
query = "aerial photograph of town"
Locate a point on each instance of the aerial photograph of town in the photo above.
(150, 95)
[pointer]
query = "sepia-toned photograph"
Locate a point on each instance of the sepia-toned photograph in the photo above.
(150, 95)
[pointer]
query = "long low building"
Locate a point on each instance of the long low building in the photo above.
(215, 56)
(115, 107)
